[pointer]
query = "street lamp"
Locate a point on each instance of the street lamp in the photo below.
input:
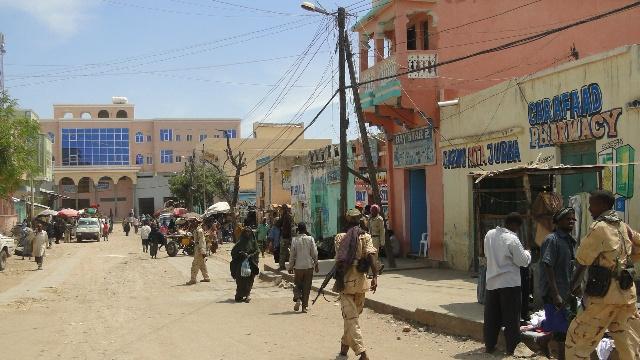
(309, 6)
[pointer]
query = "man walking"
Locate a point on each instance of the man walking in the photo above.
(302, 262)
(145, 230)
(285, 223)
(377, 231)
(505, 255)
(607, 250)
(39, 244)
(354, 248)
(556, 266)
(200, 256)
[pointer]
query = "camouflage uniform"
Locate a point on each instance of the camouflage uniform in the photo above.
(616, 311)
(352, 297)
(199, 261)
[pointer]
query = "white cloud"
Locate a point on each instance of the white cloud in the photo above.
(63, 17)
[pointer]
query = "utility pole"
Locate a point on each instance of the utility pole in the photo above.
(2, 52)
(344, 122)
(204, 182)
(191, 179)
(371, 167)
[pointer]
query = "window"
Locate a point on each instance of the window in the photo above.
(425, 35)
(203, 136)
(148, 138)
(189, 137)
(166, 134)
(178, 138)
(103, 114)
(178, 158)
(139, 137)
(411, 37)
(52, 137)
(85, 116)
(121, 114)
(216, 136)
(166, 156)
(149, 160)
(103, 146)
(231, 133)
(139, 159)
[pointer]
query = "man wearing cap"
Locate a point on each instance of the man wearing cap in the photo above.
(556, 267)
(608, 245)
(353, 250)
(200, 256)
(377, 231)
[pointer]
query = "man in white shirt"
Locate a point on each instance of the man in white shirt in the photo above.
(505, 255)
(303, 259)
(144, 234)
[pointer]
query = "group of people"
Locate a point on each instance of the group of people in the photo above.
(608, 297)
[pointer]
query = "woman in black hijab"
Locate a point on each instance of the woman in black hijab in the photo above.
(245, 248)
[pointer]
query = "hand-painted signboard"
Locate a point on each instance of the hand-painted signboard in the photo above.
(574, 115)
(414, 148)
(498, 152)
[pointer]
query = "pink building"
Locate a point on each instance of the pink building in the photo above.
(400, 35)
(104, 155)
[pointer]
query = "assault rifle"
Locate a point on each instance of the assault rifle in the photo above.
(327, 278)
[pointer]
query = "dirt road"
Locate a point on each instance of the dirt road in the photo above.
(108, 300)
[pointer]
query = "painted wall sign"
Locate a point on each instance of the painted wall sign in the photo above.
(286, 179)
(333, 176)
(574, 115)
(69, 188)
(499, 152)
(102, 185)
(414, 148)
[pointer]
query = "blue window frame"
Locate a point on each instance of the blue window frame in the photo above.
(203, 136)
(85, 147)
(139, 159)
(231, 133)
(166, 156)
(166, 134)
(139, 137)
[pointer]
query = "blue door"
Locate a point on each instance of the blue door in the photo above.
(418, 207)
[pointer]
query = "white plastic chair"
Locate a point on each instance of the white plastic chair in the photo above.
(424, 241)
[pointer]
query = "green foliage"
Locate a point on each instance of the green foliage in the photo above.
(18, 146)
(215, 182)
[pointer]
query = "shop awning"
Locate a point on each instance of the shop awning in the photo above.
(542, 169)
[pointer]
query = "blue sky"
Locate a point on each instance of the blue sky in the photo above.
(171, 58)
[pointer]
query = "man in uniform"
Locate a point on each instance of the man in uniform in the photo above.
(608, 243)
(353, 247)
(200, 254)
(285, 224)
(377, 231)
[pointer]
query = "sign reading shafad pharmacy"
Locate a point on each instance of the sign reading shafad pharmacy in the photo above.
(574, 115)
(414, 148)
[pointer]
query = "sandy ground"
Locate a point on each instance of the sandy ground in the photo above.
(108, 300)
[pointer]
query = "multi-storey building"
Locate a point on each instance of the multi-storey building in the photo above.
(397, 36)
(104, 155)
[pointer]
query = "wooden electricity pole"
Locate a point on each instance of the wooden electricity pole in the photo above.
(371, 167)
(344, 122)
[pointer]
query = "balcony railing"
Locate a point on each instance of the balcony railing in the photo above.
(386, 67)
(422, 61)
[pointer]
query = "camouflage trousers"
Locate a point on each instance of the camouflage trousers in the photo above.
(199, 264)
(586, 330)
(351, 305)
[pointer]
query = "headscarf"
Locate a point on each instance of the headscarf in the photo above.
(347, 251)
(609, 216)
(375, 210)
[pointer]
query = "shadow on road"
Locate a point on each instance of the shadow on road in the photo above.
(290, 312)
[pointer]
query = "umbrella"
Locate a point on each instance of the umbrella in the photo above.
(90, 211)
(47, 213)
(191, 216)
(162, 211)
(217, 208)
(178, 212)
(68, 213)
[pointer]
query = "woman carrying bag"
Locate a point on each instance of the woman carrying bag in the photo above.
(244, 256)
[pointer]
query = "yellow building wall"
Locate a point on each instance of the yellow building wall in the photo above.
(500, 113)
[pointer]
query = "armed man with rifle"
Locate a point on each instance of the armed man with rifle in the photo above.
(355, 256)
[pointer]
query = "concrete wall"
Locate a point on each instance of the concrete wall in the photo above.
(501, 114)
(156, 187)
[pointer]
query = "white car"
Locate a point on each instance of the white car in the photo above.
(88, 228)
(7, 247)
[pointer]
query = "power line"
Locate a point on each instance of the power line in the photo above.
(509, 45)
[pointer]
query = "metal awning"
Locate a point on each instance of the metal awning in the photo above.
(541, 169)
(54, 194)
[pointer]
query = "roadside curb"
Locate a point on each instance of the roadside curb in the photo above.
(441, 322)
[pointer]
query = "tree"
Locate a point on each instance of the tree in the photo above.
(18, 146)
(188, 185)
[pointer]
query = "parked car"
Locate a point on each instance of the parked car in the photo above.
(88, 228)
(7, 247)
